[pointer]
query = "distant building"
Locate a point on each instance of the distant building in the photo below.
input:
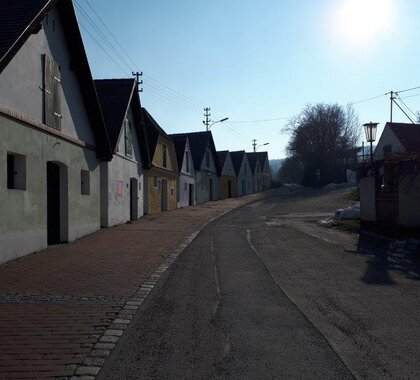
(186, 184)
(257, 183)
(243, 172)
(228, 182)
(122, 177)
(160, 168)
(52, 134)
(265, 170)
(206, 166)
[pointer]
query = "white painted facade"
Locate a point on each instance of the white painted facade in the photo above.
(228, 169)
(122, 181)
(245, 178)
(23, 225)
(207, 179)
(388, 138)
(186, 185)
(266, 175)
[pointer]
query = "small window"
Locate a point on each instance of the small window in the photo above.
(164, 156)
(245, 170)
(128, 139)
(187, 161)
(120, 188)
(139, 185)
(208, 159)
(85, 182)
(155, 182)
(185, 186)
(172, 191)
(16, 171)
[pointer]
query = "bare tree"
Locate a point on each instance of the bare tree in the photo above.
(320, 133)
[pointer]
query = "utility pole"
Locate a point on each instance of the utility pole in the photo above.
(392, 102)
(207, 116)
(138, 81)
(254, 144)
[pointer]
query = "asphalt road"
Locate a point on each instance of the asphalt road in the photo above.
(264, 292)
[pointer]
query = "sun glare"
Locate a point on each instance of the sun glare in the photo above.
(361, 22)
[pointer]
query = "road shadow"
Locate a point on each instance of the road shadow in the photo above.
(381, 261)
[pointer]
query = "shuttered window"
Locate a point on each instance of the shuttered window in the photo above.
(128, 139)
(52, 93)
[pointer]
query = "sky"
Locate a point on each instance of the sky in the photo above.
(256, 62)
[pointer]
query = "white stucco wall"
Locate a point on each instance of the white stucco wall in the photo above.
(21, 83)
(23, 225)
(387, 138)
(115, 208)
(186, 178)
(367, 199)
(203, 177)
(266, 174)
(228, 169)
(245, 174)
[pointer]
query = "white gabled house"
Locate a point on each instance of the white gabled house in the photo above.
(122, 177)
(186, 183)
(206, 166)
(52, 134)
(243, 172)
(265, 170)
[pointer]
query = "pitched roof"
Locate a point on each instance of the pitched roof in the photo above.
(179, 143)
(18, 19)
(221, 157)
(262, 158)
(21, 18)
(237, 158)
(114, 97)
(253, 159)
(408, 134)
(152, 132)
(198, 145)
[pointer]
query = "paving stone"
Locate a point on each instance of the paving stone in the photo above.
(94, 362)
(104, 346)
(122, 321)
(113, 332)
(99, 353)
(108, 339)
(92, 371)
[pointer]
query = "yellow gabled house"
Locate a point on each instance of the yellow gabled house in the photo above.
(160, 168)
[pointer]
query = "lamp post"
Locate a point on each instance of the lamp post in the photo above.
(370, 132)
(256, 147)
(218, 121)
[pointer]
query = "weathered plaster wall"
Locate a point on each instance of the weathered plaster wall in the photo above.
(116, 207)
(203, 186)
(21, 86)
(185, 179)
(367, 199)
(154, 196)
(224, 186)
(245, 177)
(387, 138)
(23, 225)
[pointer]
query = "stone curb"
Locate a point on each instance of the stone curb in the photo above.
(110, 337)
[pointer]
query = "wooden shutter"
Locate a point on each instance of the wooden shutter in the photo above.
(52, 93)
(128, 139)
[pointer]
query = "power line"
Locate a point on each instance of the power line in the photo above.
(105, 51)
(406, 106)
(408, 89)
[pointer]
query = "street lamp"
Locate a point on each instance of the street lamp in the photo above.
(215, 122)
(256, 147)
(370, 132)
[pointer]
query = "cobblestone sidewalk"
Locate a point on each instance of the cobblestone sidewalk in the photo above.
(63, 309)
